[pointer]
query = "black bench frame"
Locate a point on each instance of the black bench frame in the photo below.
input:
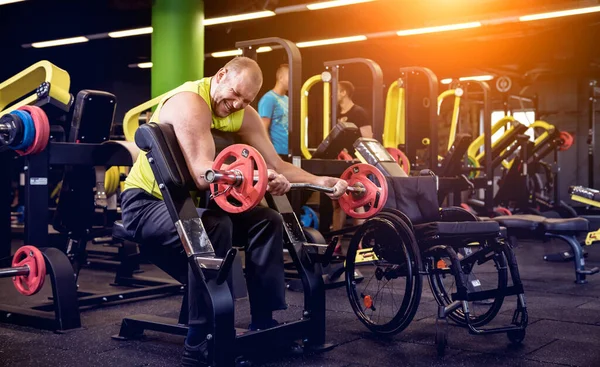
(224, 342)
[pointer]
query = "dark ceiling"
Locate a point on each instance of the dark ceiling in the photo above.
(561, 45)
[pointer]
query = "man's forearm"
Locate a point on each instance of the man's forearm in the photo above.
(298, 175)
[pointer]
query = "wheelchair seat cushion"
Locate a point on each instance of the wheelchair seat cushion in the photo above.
(526, 222)
(451, 229)
(566, 225)
(119, 232)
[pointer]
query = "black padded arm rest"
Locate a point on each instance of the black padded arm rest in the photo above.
(160, 140)
(342, 136)
(507, 140)
(453, 160)
(457, 214)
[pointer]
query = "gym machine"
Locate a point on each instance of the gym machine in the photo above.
(225, 342)
(26, 130)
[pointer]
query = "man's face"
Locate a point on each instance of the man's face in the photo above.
(284, 78)
(234, 92)
(341, 93)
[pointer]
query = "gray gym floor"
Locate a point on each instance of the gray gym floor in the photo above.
(564, 327)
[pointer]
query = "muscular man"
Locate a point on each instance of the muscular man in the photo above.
(273, 109)
(349, 112)
(220, 102)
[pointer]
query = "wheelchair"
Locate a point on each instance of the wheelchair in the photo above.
(469, 264)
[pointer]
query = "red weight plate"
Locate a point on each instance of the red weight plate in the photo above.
(42, 129)
(248, 193)
(32, 257)
(401, 158)
(344, 156)
(502, 210)
(567, 140)
(375, 196)
(465, 206)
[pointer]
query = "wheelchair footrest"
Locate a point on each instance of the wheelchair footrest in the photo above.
(493, 293)
(498, 330)
(591, 271)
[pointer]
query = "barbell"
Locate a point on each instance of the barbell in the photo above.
(367, 187)
(25, 130)
(28, 270)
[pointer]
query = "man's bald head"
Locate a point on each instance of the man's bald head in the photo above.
(235, 86)
(246, 66)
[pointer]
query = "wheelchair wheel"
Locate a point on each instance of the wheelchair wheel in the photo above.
(388, 297)
(516, 336)
(479, 277)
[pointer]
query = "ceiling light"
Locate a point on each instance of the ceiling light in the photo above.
(331, 41)
(480, 78)
(238, 52)
(239, 17)
(562, 13)
(441, 28)
(334, 3)
(130, 32)
(4, 2)
(60, 42)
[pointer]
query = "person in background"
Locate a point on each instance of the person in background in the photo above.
(273, 110)
(349, 112)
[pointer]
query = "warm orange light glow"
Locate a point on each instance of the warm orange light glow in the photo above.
(480, 78)
(334, 3)
(562, 13)
(331, 41)
(442, 28)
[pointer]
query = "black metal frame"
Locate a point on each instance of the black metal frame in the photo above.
(6, 158)
(36, 221)
(224, 345)
(377, 108)
(591, 140)
(487, 181)
(432, 81)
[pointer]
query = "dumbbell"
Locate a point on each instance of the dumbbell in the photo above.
(235, 194)
(28, 270)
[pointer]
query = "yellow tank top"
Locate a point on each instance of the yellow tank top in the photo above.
(141, 175)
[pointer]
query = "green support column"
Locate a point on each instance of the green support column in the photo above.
(177, 43)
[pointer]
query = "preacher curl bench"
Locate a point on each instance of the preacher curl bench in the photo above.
(225, 343)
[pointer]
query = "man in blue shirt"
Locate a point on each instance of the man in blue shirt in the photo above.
(273, 109)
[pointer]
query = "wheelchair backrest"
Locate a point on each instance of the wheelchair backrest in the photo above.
(415, 196)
